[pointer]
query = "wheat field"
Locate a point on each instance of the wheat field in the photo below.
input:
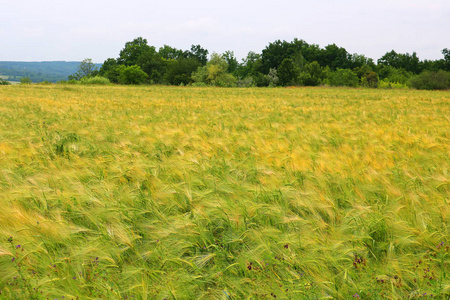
(153, 192)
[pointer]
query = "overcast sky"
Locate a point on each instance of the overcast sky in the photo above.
(47, 30)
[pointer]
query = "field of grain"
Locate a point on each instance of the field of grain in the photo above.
(207, 193)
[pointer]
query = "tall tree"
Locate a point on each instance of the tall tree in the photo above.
(233, 63)
(288, 72)
(85, 69)
(335, 57)
(168, 52)
(406, 61)
(199, 53)
(153, 64)
(273, 55)
(130, 54)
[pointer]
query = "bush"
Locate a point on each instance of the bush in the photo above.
(343, 77)
(4, 82)
(428, 80)
(245, 82)
(215, 73)
(312, 75)
(386, 84)
(132, 75)
(225, 80)
(95, 80)
(25, 80)
(370, 79)
(288, 72)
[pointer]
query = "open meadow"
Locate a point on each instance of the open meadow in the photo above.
(152, 192)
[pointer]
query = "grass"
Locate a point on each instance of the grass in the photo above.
(207, 193)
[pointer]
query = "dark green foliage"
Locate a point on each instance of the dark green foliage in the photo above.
(343, 77)
(335, 57)
(231, 61)
(4, 82)
(274, 55)
(429, 80)
(312, 74)
(370, 79)
(410, 63)
(112, 73)
(199, 53)
(357, 61)
(168, 52)
(179, 71)
(108, 65)
(445, 63)
(153, 64)
(130, 54)
(280, 63)
(250, 65)
(288, 72)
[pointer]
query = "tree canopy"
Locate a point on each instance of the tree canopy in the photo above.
(279, 63)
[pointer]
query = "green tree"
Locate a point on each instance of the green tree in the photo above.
(179, 71)
(130, 54)
(86, 69)
(231, 60)
(429, 80)
(113, 73)
(410, 63)
(4, 82)
(312, 75)
(25, 80)
(273, 56)
(250, 65)
(335, 57)
(107, 65)
(153, 64)
(199, 53)
(168, 52)
(343, 77)
(446, 60)
(215, 72)
(288, 72)
(370, 79)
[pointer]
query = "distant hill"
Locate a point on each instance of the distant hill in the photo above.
(51, 71)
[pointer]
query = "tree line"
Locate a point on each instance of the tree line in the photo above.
(280, 63)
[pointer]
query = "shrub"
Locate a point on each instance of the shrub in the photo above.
(215, 73)
(386, 84)
(95, 80)
(370, 79)
(428, 80)
(245, 82)
(288, 72)
(343, 77)
(132, 75)
(225, 80)
(312, 75)
(4, 82)
(25, 80)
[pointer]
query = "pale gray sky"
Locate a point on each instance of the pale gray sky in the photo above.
(47, 30)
